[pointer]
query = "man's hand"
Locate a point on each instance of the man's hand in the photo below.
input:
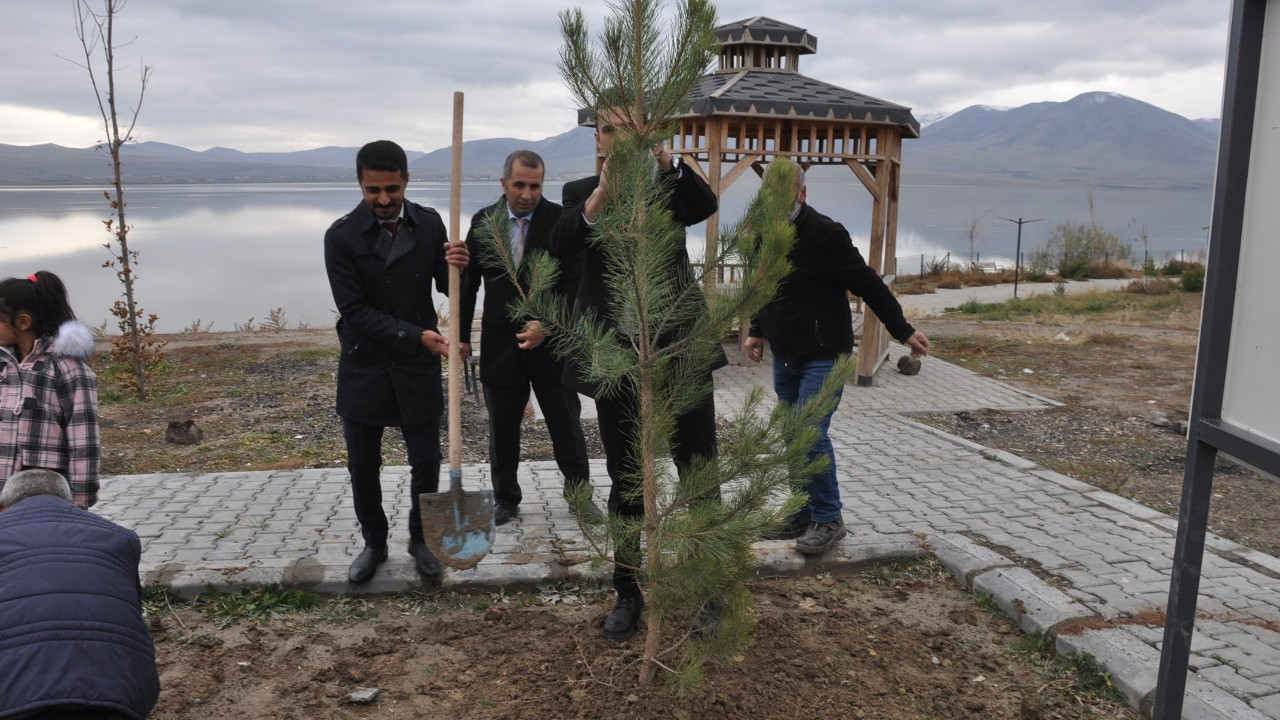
(919, 344)
(464, 350)
(663, 154)
(754, 347)
(531, 336)
(435, 342)
(595, 201)
(456, 254)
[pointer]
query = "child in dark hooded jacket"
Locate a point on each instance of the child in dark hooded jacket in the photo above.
(48, 393)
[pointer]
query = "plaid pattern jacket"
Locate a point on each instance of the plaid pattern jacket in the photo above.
(49, 411)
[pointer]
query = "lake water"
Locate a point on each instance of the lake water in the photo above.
(223, 254)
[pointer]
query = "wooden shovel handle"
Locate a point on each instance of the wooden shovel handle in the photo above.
(455, 291)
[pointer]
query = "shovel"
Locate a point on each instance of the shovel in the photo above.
(457, 526)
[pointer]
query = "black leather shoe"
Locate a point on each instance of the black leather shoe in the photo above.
(365, 564)
(795, 526)
(425, 562)
(707, 621)
(503, 512)
(621, 623)
(587, 513)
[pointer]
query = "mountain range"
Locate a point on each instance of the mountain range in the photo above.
(1099, 138)
(1096, 138)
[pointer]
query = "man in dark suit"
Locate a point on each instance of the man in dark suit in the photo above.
(514, 355)
(380, 259)
(690, 201)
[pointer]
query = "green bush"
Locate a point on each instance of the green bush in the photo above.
(1192, 280)
(1074, 247)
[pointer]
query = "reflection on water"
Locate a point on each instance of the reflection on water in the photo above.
(228, 253)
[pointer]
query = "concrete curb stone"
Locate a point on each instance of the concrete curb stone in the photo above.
(1035, 605)
(1132, 663)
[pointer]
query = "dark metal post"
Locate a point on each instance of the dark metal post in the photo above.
(1205, 437)
(1017, 253)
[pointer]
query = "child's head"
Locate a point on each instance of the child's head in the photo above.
(41, 296)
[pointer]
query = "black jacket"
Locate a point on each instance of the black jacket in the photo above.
(810, 318)
(502, 364)
(690, 202)
(385, 376)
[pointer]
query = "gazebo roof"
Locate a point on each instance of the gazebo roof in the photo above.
(758, 78)
(761, 30)
(772, 93)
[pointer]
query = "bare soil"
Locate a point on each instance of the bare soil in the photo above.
(880, 646)
(858, 646)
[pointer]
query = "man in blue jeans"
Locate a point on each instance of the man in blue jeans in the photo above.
(808, 325)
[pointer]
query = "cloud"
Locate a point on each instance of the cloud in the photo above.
(292, 74)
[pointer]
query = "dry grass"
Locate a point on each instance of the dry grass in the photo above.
(1106, 338)
(1151, 286)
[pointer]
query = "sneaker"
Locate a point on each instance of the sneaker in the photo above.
(821, 536)
(794, 527)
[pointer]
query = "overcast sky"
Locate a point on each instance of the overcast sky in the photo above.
(279, 75)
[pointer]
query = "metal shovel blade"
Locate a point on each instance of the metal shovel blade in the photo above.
(457, 525)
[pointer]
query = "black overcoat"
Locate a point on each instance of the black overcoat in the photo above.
(691, 201)
(385, 376)
(502, 364)
(809, 318)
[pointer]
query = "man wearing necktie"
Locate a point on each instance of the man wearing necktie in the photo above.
(514, 354)
(381, 259)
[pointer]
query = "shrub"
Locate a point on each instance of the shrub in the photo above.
(1074, 247)
(937, 266)
(1192, 280)
(1151, 286)
(1039, 264)
(915, 286)
(1105, 269)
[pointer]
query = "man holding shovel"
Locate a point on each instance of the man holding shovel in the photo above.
(380, 259)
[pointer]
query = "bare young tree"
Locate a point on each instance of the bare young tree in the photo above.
(973, 232)
(137, 345)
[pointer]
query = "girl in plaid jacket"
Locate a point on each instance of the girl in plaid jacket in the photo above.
(48, 393)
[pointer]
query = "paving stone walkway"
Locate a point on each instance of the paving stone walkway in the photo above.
(1055, 554)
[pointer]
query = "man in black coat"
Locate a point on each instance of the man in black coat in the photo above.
(381, 259)
(690, 201)
(808, 324)
(514, 355)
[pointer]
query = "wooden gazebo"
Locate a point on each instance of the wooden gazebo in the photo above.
(757, 106)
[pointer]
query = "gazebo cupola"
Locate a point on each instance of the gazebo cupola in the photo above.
(763, 44)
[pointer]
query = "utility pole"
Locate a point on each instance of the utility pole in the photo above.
(1017, 253)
